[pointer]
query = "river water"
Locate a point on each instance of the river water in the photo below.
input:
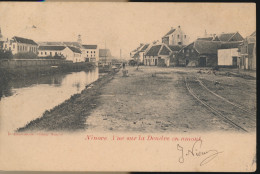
(24, 100)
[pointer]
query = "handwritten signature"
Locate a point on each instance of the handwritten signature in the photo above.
(196, 151)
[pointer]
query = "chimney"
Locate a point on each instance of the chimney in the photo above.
(179, 26)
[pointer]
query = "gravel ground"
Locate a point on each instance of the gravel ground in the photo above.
(150, 99)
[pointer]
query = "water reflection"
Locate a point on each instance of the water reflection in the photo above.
(26, 99)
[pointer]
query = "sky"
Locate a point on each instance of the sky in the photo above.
(122, 25)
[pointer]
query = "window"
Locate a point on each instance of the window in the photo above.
(94, 51)
(18, 48)
(87, 51)
(5, 45)
(178, 36)
(185, 36)
(91, 51)
(45, 53)
(182, 51)
(41, 53)
(188, 51)
(13, 46)
(192, 50)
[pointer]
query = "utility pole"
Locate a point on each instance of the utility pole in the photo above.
(105, 52)
(120, 53)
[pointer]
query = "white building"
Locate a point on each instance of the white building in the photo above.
(175, 36)
(50, 50)
(73, 54)
(90, 53)
(228, 54)
(20, 45)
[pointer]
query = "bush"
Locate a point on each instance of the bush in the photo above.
(5, 54)
(27, 55)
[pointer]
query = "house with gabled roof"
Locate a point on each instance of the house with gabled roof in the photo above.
(230, 37)
(228, 54)
(21, 45)
(50, 51)
(73, 54)
(90, 53)
(247, 53)
(200, 53)
(175, 36)
(158, 55)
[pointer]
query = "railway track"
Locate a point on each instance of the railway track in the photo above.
(217, 105)
(226, 100)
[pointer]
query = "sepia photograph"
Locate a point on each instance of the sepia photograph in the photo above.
(103, 81)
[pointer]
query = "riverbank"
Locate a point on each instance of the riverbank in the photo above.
(32, 71)
(71, 114)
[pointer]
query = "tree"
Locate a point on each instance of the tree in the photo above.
(6, 54)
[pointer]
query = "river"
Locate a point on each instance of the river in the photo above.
(26, 99)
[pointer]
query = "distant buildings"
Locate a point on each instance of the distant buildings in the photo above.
(158, 55)
(20, 45)
(247, 53)
(50, 51)
(90, 53)
(175, 36)
(105, 57)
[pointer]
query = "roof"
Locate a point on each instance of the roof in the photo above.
(228, 45)
(72, 44)
(136, 55)
(89, 46)
(24, 40)
(169, 32)
(165, 50)
(205, 38)
(154, 50)
(52, 47)
(144, 47)
(138, 48)
(207, 47)
(175, 47)
(75, 50)
(104, 53)
(225, 37)
(253, 34)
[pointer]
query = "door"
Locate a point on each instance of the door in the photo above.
(234, 61)
(187, 62)
(202, 61)
(155, 62)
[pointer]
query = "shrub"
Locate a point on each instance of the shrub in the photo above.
(6, 54)
(27, 55)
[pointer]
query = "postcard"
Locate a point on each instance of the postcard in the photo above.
(123, 86)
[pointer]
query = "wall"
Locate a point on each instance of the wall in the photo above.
(225, 56)
(48, 53)
(15, 63)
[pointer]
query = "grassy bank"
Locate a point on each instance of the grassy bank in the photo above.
(71, 114)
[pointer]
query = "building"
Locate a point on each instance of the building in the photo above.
(200, 53)
(247, 53)
(135, 53)
(175, 36)
(230, 37)
(175, 50)
(73, 54)
(21, 45)
(2, 40)
(158, 55)
(50, 51)
(90, 53)
(105, 57)
(228, 54)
